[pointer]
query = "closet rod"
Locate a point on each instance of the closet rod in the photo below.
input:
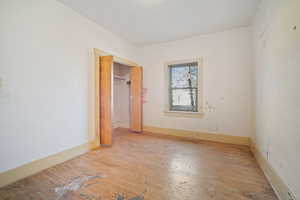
(119, 77)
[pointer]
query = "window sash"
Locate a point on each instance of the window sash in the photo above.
(187, 108)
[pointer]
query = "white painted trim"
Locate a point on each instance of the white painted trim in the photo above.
(196, 135)
(279, 186)
(36, 166)
(168, 112)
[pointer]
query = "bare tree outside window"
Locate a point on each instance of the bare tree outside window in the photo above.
(183, 87)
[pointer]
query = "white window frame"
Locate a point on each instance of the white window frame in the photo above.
(167, 110)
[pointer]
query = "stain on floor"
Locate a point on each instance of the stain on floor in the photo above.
(75, 184)
(120, 197)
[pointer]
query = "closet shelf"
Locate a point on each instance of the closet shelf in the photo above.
(119, 77)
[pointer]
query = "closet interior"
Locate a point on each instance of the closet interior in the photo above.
(121, 96)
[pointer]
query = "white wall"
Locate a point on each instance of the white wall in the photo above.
(46, 71)
(277, 60)
(227, 84)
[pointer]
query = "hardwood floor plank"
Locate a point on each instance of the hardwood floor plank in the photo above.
(142, 166)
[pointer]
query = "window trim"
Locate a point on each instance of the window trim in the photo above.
(167, 110)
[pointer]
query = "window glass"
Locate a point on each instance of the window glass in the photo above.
(183, 87)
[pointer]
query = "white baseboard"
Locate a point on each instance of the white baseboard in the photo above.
(279, 186)
(36, 166)
(199, 136)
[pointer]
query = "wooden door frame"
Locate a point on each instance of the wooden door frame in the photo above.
(96, 110)
(136, 102)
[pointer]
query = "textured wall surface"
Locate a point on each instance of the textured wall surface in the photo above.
(47, 78)
(277, 60)
(227, 82)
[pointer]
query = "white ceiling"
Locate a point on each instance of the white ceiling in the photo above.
(145, 22)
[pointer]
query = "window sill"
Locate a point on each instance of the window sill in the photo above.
(184, 114)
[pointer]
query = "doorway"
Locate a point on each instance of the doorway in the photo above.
(118, 97)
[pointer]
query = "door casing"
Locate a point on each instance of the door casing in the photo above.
(106, 139)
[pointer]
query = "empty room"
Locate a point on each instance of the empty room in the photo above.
(149, 100)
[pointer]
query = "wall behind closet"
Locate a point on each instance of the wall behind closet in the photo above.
(227, 84)
(121, 108)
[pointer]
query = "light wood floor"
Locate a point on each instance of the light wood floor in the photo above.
(141, 166)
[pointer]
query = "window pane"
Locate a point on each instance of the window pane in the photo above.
(183, 76)
(183, 100)
(194, 76)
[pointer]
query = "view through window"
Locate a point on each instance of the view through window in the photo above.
(183, 87)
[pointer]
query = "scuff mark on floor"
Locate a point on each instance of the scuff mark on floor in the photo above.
(91, 184)
(85, 196)
(137, 198)
(121, 197)
(211, 192)
(75, 184)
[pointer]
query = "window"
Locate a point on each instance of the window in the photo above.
(183, 87)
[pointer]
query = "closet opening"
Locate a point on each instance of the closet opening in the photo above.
(118, 98)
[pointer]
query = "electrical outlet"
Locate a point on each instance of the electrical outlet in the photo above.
(291, 196)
